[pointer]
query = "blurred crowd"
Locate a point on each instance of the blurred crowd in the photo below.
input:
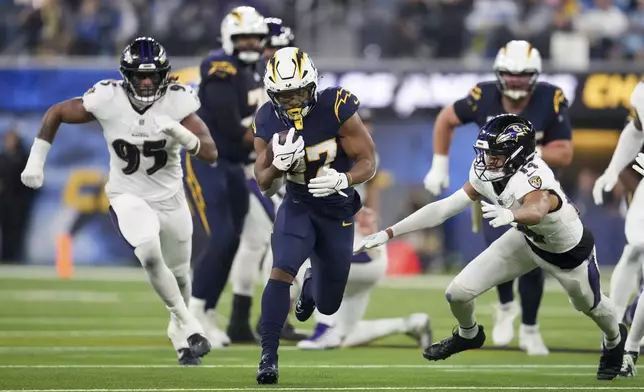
(373, 28)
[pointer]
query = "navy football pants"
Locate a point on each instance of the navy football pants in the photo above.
(220, 202)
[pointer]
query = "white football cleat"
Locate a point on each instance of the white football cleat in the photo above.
(503, 330)
(324, 338)
(419, 327)
(208, 320)
(531, 342)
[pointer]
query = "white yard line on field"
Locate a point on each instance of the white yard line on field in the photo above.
(374, 388)
(307, 366)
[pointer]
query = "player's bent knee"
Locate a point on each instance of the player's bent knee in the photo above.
(149, 254)
(456, 293)
(328, 306)
(281, 275)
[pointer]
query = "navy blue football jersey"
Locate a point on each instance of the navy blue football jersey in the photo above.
(547, 110)
(230, 91)
(323, 147)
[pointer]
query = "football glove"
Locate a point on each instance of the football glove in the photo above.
(173, 128)
(328, 182)
(500, 216)
(437, 177)
(287, 154)
(605, 183)
(33, 175)
(639, 165)
(372, 241)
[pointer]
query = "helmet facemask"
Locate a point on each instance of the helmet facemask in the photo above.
(494, 166)
(293, 105)
(517, 85)
(249, 47)
(145, 86)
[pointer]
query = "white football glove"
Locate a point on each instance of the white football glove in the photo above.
(33, 175)
(173, 128)
(372, 241)
(500, 216)
(605, 183)
(639, 165)
(437, 177)
(328, 182)
(285, 155)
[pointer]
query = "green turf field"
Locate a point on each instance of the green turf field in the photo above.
(105, 331)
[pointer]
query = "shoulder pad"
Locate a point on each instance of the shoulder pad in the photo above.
(535, 176)
(550, 91)
(637, 99)
(480, 89)
(220, 69)
(182, 100)
(343, 103)
(95, 98)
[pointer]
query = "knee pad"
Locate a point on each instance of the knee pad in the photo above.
(456, 293)
(149, 254)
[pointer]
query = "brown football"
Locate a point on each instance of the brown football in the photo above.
(298, 166)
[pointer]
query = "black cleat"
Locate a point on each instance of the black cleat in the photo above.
(199, 345)
(629, 364)
(610, 363)
(453, 345)
(186, 358)
(289, 333)
(267, 372)
(304, 309)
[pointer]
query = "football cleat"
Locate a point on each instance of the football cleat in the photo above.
(267, 372)
(610, 363)
(629, 364)
(199, 345)
(503, 330)
(531, 342)
(304, 307)
(240, 333)
(324, 337)
(208, 321)
(289, 333)
(186, 358)
(453, 345)
(419, 328)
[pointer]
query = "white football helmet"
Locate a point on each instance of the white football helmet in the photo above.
(291, 82)
(517, 67)
(243, 21)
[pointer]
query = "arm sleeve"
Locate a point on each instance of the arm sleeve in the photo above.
(560, 127)
(221, 97)
(632, 139)
(434, 214)
(467, 107)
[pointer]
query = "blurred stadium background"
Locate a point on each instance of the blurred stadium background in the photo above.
(405, 59)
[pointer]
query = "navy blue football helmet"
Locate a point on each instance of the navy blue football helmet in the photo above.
(145, 69)
(279, 35)
(504, 144)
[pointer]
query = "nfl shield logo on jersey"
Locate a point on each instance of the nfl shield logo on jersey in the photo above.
(535, 182)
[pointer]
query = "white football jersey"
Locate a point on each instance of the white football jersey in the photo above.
(143, 161)
(560, 230)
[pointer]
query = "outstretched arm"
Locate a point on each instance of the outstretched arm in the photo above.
(71, 111)
(433, 214)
